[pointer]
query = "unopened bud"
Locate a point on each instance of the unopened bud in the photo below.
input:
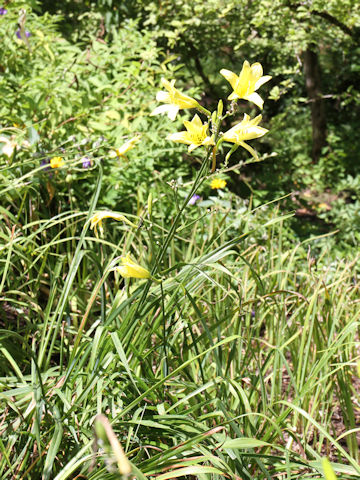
(220, 108)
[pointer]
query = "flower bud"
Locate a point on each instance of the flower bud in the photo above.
(220, 108)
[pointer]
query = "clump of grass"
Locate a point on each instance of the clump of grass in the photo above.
(234, 366)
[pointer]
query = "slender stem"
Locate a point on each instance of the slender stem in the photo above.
(203, 110)
(171, 233)
(174, 226)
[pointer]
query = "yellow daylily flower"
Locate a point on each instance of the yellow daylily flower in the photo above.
(247, 129)
(130, 269)
(129, 145)
(217, 183)
(195, 136)
(97, 218)
(56, 162)
(246, 84)
(173, 99)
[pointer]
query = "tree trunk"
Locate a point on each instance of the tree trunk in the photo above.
(313, 87)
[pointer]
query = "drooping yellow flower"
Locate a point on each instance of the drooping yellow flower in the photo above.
(247, 129)
(130, 269)
(98, 217)
(56, 162)
(173, 99)
(246, 84)
(129, 145)
(217, 183)
(195, 136)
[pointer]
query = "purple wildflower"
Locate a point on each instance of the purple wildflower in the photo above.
(3, 11)
(18, 34)
(195, 198)
(86, 162)
(44, 162)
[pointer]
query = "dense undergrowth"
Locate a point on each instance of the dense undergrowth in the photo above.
(234, 353)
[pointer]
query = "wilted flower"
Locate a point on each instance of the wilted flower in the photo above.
(130, 269)
(173, 99)
(245, 85)
(195, 198)
(195, 135)
(247, 129)
(98, 142)
(26, 33)
(129, 145)
(56, 162)
(86, 162)
(9, 146)
(3, 11)
(98, 217)
(217, 183)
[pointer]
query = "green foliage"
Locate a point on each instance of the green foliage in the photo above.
(82, 102)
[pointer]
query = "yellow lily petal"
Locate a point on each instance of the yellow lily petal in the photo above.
(233, 96)
(244, 78)
(262, 80)
(230, 76)
(163, 97)
(256, 71)
(192, 147)
(255, 98)
(208, 141)
(180, 137)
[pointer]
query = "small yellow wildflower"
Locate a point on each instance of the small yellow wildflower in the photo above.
(217, 183)
(56, 162)
(174, 100)
(129, 145)
(245, 85)
(195, 135)
(130, 269)
(98, 217)
(247, 129)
